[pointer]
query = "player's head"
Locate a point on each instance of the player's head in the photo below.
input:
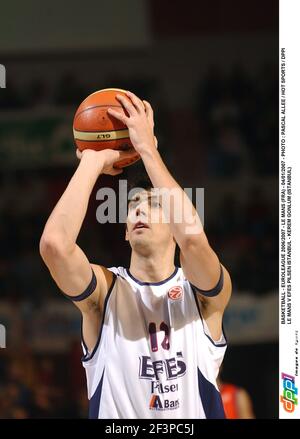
(147, 229)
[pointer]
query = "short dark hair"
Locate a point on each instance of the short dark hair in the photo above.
(140, 181)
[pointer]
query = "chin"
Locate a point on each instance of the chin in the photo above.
(142, 245)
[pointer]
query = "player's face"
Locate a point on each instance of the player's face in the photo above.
(146, 224)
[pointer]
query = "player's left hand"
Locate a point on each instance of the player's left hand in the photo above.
(140, 121)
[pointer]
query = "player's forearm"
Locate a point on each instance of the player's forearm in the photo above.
(196, 253)
(184, 219)
(67, 217)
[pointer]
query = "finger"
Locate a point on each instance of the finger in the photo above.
(127, 104)
(136, 101)
(115, 171)
(78, 154)
(148, 108)
(149, 112)
(118, 115)
(127, 154)
(117, 155)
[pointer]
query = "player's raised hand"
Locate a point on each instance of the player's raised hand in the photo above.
(105, 159)
(150, 117)
(139, 121)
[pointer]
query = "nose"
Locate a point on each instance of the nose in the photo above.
(140, 211)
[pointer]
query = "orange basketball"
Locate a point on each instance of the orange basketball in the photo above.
(94, 128)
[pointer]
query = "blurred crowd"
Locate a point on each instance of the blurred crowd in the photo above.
(239, 119)
(42, 386)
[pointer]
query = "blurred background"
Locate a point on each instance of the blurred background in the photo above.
(210, 71)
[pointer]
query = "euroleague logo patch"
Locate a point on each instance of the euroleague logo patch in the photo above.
(175, 293)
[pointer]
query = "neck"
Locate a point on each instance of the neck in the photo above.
(154, 268)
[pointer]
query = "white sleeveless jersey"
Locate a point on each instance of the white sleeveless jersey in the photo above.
(154, 357)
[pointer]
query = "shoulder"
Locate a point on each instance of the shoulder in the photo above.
(106, 278)
(118, 271)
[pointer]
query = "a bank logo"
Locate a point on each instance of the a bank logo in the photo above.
(288, 398)
(2, 76)
(156, 403)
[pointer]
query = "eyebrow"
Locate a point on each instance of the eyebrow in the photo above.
(149, 195)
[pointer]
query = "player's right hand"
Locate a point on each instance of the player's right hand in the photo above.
(106, 158)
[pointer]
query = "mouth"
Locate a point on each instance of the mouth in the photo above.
(140, 225)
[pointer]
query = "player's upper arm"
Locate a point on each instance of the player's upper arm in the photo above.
(75, 276)
(218, 302)
(203, 270)
(212, 308)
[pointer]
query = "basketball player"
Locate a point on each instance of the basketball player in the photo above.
(151, 333)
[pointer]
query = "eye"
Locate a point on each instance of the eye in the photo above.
(155, 203)
(132, 205)
(133, 202)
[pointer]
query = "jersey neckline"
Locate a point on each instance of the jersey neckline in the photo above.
(151, 283)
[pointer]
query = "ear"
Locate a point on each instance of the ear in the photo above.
(126, 234)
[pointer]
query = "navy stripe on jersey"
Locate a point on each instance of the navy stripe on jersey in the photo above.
(214, 291)
(88, 356)
(219, 345)
(211, 398)
(87, 292)
(85, 348)
(152, 283)
(95, 400)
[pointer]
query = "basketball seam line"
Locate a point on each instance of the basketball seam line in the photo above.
(96, 106)
(101, 140)
(98, 131)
